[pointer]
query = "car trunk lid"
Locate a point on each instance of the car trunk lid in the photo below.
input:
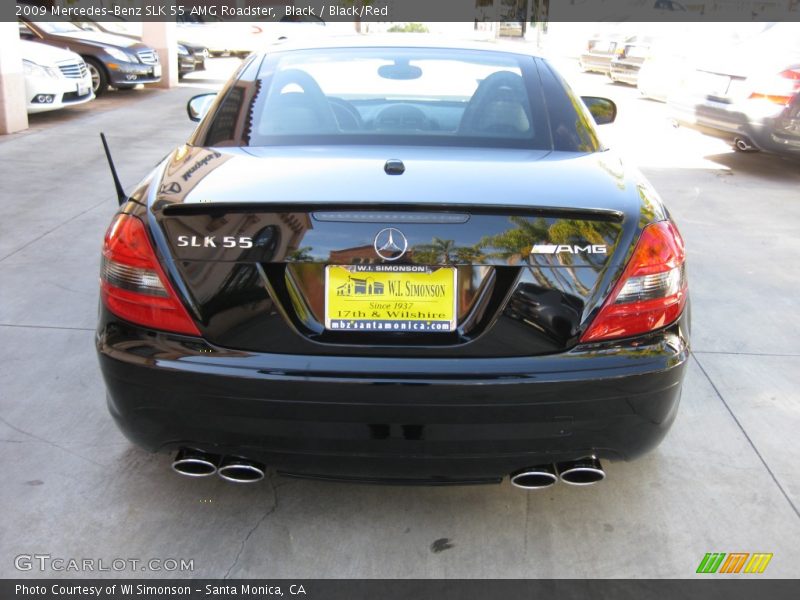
(261, 257)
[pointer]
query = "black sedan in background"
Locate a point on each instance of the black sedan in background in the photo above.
(113, 60)
(191, 57)
(408, 263)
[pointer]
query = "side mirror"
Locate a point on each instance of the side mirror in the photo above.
(603, 110)
(198, 106)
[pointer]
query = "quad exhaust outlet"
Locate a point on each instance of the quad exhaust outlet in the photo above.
(584, 471)
(742, 144)
(194, 463)
(534, 478)
(239, 470)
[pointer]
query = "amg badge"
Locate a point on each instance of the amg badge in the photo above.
(569, 248)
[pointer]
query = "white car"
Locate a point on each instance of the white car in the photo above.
(240, 38)
(54, 78)
(672, 59)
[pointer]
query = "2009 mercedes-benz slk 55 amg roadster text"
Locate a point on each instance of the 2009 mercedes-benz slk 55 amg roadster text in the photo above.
(405, 263)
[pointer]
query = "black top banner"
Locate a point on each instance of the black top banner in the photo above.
(511, 11)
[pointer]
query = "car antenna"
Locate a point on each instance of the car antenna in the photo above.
(121, 195)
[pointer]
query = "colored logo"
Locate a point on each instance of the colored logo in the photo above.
(357, 286)
(735, 562)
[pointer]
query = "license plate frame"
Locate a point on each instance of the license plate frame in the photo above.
(712, 84)
(391, 298)
(81, 89)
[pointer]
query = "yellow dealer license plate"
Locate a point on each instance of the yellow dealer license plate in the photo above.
(410, 298)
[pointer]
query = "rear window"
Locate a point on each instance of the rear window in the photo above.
(386, 96)
(781, 40)
(602, 46)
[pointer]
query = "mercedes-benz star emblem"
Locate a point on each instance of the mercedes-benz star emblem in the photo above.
(390, 244)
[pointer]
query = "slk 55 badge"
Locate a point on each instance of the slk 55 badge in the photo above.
(212, 241)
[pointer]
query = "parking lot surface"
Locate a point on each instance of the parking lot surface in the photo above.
(725, 479)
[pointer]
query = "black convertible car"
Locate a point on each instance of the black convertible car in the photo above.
(399, 264)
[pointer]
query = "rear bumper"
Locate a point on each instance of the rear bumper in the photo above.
(393, 419)
(624, 73)
(186, 63)
(595, 63)
(61, 91)
(769, 130)
(133, 73)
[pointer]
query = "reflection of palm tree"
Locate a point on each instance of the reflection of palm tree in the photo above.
(426, 255)
(443, 249)
(300, 254)
(437, 252)
(519, 241)
(572, 231)
(469, 254)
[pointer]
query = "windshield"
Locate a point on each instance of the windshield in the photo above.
(782, 39)
(58, 27)
(386, 95)
(122, 28)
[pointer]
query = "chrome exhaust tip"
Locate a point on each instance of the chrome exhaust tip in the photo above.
(534, 478)
(742, 144)
(193, 463)
(239, 470)
(584, 471)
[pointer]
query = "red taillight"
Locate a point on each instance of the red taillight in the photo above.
(132, 284)
(781, 90)
(793, 74)
(652, 290)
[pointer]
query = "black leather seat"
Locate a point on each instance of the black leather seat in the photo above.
(306, 111)
(499, 107)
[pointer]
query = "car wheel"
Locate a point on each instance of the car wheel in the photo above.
(99, 76)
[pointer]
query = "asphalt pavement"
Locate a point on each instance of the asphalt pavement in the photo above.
(726, 478)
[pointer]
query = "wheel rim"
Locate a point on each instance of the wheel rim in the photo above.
(95, 77)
